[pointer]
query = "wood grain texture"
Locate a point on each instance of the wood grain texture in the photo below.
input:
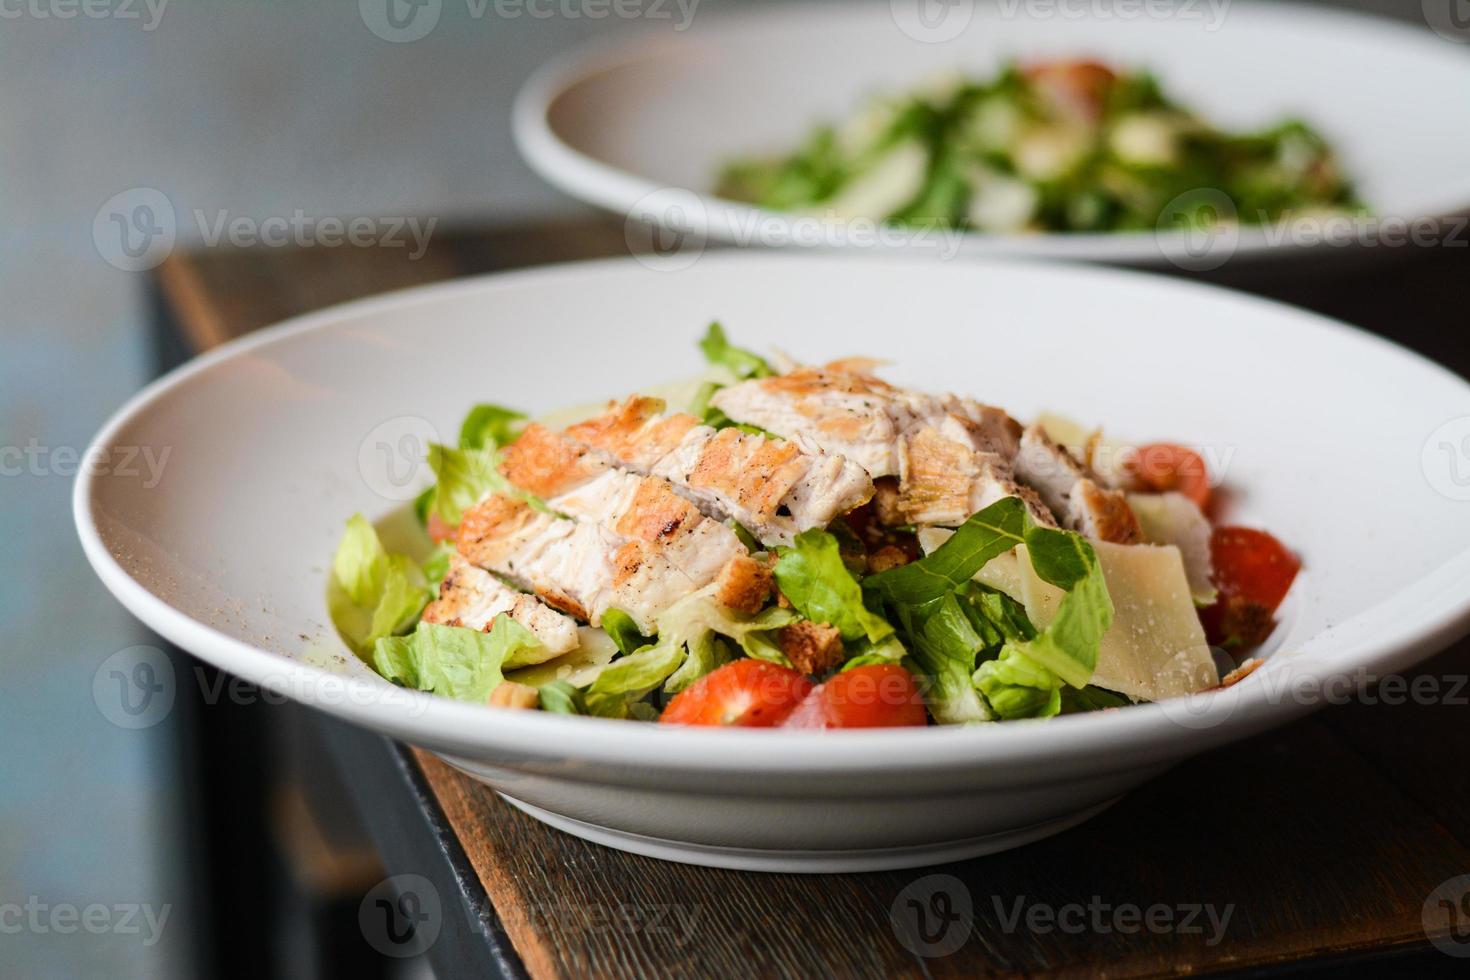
(1322, 839)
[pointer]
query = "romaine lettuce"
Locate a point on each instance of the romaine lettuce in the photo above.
(686, 649)
(372, 593)
(742, 363)
(454, 661)
(813, 577)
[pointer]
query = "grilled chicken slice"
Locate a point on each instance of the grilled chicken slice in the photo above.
(944, 481)
(472, 597)
(615, 539)
(951, 455)
(1072, 491)
(770, 486)
(843, 410)
(580, 568)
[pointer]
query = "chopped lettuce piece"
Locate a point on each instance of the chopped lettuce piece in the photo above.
(813, 577)
(454, 661)
(436, 566)
(1025, 679)
(562, 698)
(490, 427)
(631, 677)
(373, 594)
(465, 476)
(742, 363)
(624, 632)
(944, 648)
(988, 534)
(686, 650)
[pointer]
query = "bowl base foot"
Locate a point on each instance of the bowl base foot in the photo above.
(809, 862)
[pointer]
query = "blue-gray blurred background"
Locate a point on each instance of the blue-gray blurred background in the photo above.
(258, 107)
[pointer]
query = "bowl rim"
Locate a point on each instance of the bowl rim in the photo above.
(1155, 731)
(622, 192)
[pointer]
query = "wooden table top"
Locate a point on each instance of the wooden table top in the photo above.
(1321, 841)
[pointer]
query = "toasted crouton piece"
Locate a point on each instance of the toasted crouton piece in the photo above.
(509, 694)
(812, 648)
(886, 557)
(744, 584)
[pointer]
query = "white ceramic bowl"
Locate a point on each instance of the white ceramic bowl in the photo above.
(1333, 439)
(622, 125)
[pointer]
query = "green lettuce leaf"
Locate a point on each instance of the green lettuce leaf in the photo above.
(465, 476)
(1020, 672)
(490, 427)
(943, 651)
(624, 632)
(562, 698)
(813, 577)
(742, 363)
(988, 534)
(687, 648)
(372, 593)
(453, 661)
(1025, 679)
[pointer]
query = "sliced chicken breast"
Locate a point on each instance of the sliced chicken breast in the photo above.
(771, 486)
(614, 539)
(581, 568)
(472, 597)
(944, 481)
(951, 455)
(844, 410)
(1072, 491)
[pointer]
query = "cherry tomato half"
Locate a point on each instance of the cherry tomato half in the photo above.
(438, 530)
(1163, 466)
(1077, 86)
(1253, 572)
(873, 696)
(746, 693)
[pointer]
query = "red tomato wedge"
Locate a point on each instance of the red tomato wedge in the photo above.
(1077, 86)
(438, 530)
(746, 694)
(1253, 572)
(874, 696)
(1164, 466)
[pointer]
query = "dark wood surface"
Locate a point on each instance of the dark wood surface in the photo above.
(1322, 839)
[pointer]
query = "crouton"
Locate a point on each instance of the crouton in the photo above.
(744, 584)
(812, 648)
